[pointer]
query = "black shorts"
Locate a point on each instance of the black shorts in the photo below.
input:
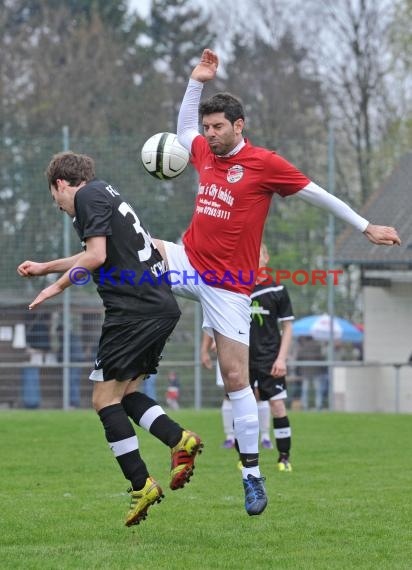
(130, 348)
(269, 387)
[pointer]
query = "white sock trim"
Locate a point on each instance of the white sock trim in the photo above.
(124, 445)
(150, 416)
(282, 433)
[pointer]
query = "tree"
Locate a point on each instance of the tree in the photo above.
(352, 57)
(85, 65)
(285, 104)
(72, 68)
(176, 31)
(57, 67)
(397, 137)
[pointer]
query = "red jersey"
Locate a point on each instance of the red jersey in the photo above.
(224, 236)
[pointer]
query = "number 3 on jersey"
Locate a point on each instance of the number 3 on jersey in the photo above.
(145, 253)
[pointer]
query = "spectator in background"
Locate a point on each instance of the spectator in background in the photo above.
(148, 386)
(173, 390)
(347, 350)
(38, 344)
(310, 350)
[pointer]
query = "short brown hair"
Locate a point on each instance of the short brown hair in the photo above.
(75, 168)
(225, 103)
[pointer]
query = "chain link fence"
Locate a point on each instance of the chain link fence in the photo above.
(31, 343)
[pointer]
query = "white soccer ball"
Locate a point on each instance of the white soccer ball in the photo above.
(164, 157)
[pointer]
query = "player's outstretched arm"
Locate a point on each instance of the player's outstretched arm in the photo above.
(382, 235)
(34, 269)
(47, 293)
(206, 69)
(82, 267)
(317, 196)
(188, 119)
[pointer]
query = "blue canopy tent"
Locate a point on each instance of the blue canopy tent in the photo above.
(319, 327)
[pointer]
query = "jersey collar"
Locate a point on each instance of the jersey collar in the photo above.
(234, 150)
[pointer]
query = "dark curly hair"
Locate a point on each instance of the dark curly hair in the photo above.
(75, 168)
(225, 103)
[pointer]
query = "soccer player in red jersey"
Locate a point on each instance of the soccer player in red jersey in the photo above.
(236, 184)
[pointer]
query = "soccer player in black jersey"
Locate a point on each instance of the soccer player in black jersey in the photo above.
(140, 314)
(268, 350)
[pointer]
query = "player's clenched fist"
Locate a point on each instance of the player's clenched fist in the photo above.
(30, 269)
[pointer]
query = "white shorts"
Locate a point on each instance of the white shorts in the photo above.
(226, 312)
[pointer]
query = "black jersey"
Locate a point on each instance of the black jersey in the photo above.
(129, 282)
(270, 304)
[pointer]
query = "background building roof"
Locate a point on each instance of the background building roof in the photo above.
(390, 205)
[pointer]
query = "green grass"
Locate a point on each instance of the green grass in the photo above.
(347, 504)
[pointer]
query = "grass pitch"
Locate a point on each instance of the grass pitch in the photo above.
(347, 503)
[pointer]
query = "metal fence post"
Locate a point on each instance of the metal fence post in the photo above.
(66, 299)
(197, 367)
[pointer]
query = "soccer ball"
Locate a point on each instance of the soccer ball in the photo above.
(164, 157)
